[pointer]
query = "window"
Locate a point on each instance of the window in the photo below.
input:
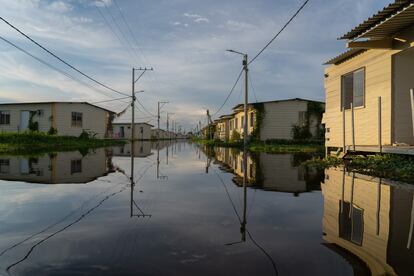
(252, 119)
(4, 165)
(76, 119)
(353, 89)
(76, 166)
(4, 117)
(351, 223)
(251, 170)
(242, 121)
(236, 122)
(141, 129)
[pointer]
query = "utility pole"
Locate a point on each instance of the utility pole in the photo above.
(168, 124)
(245, 134)
(159, 109)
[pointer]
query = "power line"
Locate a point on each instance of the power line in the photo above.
(60, 59)
(145, 109)
(278, 33)
(117, 99)
(252, 87)
(228, 96)
(50, 65)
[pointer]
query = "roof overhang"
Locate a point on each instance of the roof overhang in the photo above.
(392, 25)
(345, 56)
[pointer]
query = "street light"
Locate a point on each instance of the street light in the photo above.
(246, 70)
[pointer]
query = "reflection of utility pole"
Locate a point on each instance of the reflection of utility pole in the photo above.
(158, 161)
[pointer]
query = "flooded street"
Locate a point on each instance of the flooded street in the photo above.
(72, 213)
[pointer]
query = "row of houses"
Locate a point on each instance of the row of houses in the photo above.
(72, 119)
(280, 119)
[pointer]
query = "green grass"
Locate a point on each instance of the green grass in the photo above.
(271, 146)
(37, 143)
(395, 167)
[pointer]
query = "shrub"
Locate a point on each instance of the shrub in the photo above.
(52, 131)
(235, 136)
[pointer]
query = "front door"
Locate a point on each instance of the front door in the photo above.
(24, 120)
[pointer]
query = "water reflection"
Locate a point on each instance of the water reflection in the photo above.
(369, 222)
(61, 167)
(271, 172)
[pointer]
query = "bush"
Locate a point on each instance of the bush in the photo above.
(52, 131)
(301, 132)
(235, 136)
(87, 135)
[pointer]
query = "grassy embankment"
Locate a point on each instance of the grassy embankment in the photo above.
(37, 143)
(395, 167)
(271, 146)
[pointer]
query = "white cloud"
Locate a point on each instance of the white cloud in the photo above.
(196, 17)
(102, 3)
(59, 6)
(201, 19)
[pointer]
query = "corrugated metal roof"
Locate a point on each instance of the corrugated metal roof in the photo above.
(392, 25)
(278, 101)
(376, 19)
(345, 56)
(22, 103)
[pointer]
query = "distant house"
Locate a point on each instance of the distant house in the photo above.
(368, 103)
(141, 149)
(64, 118)
(158, 134)
(123, 131)
(223, 127)
(280, 119)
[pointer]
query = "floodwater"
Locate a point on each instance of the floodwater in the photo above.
(187, 211)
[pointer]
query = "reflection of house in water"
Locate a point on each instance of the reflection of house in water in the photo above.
(370, 220)
(62, 167)
(141, 149)
(273, 172)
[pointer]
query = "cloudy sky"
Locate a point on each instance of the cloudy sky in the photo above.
(183, 40)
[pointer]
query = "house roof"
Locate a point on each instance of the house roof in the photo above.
(278, 101)
(382, 17)
(23, 103)
(128, 123)
(345, 56)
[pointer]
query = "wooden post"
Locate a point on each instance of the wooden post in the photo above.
(379, 125)
(343, 130)
(353, 126)
(412, 107)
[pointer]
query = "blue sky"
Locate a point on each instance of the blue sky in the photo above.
(183, 40)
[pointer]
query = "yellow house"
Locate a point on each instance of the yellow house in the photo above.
(368, 101)
(223, 127)
(277, 119)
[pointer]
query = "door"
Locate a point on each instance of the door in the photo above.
(122, 132)
(24, 120)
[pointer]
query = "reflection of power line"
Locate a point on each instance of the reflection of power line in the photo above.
(52, 225)
(243, 228)
(64, 228)
(133, 203)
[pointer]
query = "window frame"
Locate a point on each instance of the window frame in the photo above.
(251, 119)
(342, 105)
(75, 123)
(5, 113)
(75, 166)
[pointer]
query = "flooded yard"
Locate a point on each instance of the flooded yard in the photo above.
(186, 212)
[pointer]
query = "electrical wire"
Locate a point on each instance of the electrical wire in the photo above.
(52, 66)
(278, 33)
(60, 59)
(228, 96)
(117, 99)
(252, 87)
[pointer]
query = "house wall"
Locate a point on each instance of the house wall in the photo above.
(239, 115)
(373, 199)
(403, 80)
(44, 120)
(93, 119)
(156, 133)
(279, 119)
(145, 135)
(222, 129)
(377, 64)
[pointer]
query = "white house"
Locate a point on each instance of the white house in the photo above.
(123, 131)
(62, 118)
